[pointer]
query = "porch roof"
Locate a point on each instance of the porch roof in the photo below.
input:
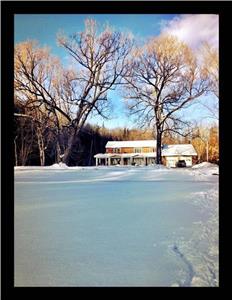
(125, 155)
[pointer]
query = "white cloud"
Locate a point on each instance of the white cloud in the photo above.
(194, 29)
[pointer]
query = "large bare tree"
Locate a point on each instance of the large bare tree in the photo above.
(163, 79)
(38, 81)
(71, 95)
(100, 59)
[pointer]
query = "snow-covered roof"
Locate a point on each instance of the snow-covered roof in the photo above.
(167, 150)
(101, 155)
(126, 155)
(178, 149)
(134, 144)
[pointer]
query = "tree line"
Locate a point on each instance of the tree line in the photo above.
(54, 104)
(92, 140)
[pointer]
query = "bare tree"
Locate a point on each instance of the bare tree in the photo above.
(210, 66)
(163, 79)
(40, 122)
(23, 140)
(70, 96)
(38, 78)
(210, 57)
(101, 59)
(42, 126)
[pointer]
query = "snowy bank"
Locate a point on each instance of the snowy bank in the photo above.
(206, 168)
(60, 166)
(204, 165)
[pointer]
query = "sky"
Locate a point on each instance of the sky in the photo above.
(192, 29)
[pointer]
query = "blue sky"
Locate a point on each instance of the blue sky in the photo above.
(44, 28)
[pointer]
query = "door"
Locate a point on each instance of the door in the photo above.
(171, 162)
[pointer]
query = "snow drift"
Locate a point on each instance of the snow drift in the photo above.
(204, 165)
(206, 168)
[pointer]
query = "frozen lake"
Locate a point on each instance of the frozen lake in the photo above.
(116, 226)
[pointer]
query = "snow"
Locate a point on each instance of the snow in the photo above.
(167, 150)
(60, 166)
(134, 144)
(116, 226)
(204, 165)
(128, 155)
(178, 149)
(206, 169)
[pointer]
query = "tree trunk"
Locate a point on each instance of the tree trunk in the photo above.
(58, 152)
(90, 153)
(24, 152)
(68, 150)
(40, 142)
(158, 147)
(16, 156)
(42, 155)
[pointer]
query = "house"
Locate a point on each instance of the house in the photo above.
(144, 153)
(129, 153)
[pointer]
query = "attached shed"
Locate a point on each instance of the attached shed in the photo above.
(173, 153)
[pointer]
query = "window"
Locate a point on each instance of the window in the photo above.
(138, 150)
(116, 150)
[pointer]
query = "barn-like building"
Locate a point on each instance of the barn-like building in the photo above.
(144, 153)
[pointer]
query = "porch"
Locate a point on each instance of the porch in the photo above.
(131, 159)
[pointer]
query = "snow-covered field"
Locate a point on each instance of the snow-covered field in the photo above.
(116, 226)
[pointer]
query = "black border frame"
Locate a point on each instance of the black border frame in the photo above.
(9, 8)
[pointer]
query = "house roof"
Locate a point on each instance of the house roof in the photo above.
(126, 155)
(134, 144)
(178, 149)
(167, 150)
